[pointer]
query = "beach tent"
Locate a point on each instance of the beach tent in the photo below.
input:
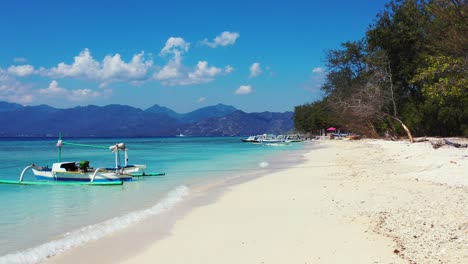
(331, 129)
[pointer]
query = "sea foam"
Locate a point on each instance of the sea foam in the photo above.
(93, 232)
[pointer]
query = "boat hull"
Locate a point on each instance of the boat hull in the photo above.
(81, 176)
(250, 140)
(103, 175)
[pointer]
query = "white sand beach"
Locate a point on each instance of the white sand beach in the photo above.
(366, 201)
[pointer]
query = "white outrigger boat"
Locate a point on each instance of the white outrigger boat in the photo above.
(251, 139)
(72, 172)
(81, 171)
(272, 140)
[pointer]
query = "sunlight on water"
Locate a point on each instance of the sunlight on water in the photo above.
(39, 216)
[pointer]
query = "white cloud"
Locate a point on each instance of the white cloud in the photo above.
(84, 66)
(53, 90)
(175, 45)
(244, 89)
(172, 70)
(78, 95)
(203, 73)
(112, 68)
(21, 70)
(228, 69)
(226, 38)
(84, 95)
(255, 70)
(12, 90)
(318, 70)
(201, 99)
(175, 73)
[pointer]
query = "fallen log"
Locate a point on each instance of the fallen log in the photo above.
(442, 142)
(454, 144)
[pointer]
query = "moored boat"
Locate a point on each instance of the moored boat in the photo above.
(270, 139)
(82, 172)
(250, 139)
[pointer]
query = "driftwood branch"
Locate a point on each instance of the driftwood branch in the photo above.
(443, 142)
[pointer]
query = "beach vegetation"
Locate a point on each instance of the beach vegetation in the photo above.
(407, 75)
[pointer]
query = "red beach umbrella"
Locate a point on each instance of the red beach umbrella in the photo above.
(331, 129)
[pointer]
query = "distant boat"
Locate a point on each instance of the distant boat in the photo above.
(270, 139)
(250, 139)
(180, 135)
(295, 138)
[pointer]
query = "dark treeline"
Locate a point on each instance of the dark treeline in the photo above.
(408, 71)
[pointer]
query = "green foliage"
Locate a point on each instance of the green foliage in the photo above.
(411, 66)
(313, 117)
(399, 31)
(444, 77)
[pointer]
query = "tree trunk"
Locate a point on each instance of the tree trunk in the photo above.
(408, 132)
(374, 132)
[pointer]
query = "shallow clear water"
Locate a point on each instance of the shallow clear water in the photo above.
(34, 215)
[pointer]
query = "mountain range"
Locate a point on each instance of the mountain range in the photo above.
(125, 121)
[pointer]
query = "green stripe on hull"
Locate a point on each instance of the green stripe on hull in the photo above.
(59, 183)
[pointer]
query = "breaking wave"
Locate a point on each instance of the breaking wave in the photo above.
(93, 232)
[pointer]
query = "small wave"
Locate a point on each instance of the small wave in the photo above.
(93, 232)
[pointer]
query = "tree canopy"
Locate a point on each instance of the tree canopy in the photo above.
(409, 70)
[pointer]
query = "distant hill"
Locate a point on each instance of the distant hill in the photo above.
(194, 116)
(4, 106)
(163, 110)
(218, 110)
(240, 123)
(126, 121)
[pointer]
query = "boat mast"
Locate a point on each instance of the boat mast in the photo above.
(59, 146)
(126, 157)
(117, 157)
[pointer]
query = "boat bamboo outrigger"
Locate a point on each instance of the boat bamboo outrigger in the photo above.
(80, 172)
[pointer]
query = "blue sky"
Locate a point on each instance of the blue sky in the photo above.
(254, 55)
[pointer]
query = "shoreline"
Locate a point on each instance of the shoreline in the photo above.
(372, 201)
(159, 226)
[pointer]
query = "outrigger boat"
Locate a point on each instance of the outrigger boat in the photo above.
(272, 140)
(250, 139)
(81, 172)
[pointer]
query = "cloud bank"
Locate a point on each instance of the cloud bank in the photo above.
(21, 70)
(111, 69)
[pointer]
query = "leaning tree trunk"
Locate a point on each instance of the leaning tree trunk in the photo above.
(373, 131)
(408, 132)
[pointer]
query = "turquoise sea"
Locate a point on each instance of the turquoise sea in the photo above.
(38, 221)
